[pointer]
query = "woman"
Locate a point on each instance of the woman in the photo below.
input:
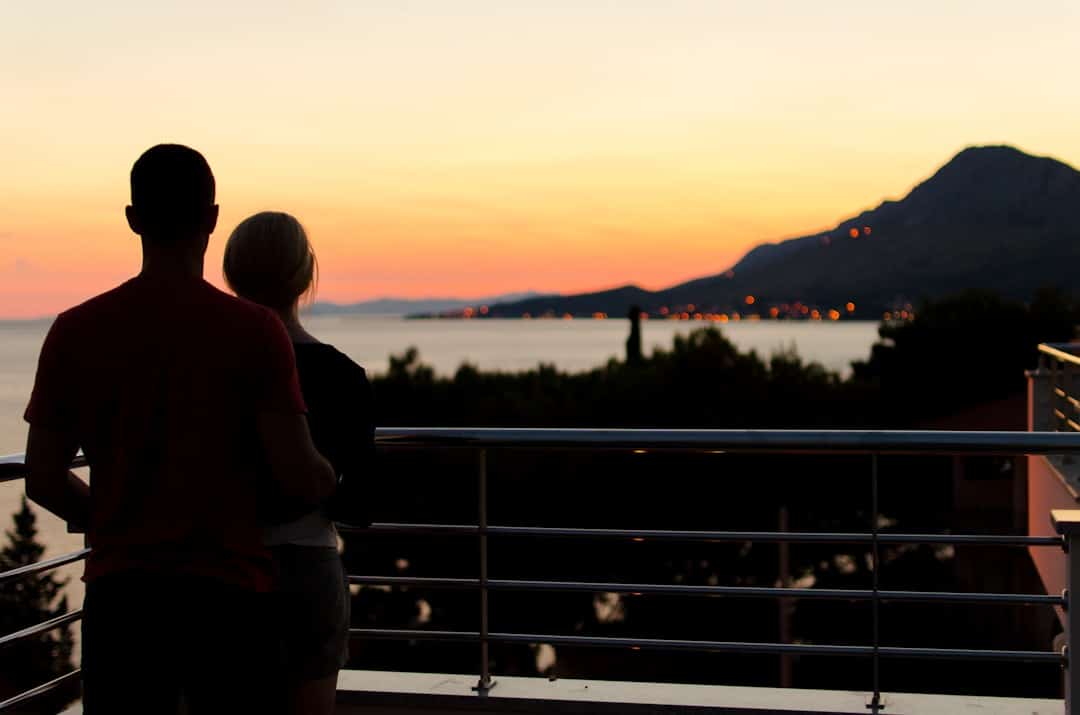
(269, 260)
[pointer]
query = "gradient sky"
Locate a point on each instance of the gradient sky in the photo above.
(481, 146)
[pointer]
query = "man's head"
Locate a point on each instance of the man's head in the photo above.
(172, 195)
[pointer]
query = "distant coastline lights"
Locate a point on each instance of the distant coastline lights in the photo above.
(755, 309)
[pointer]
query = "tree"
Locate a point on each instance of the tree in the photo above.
(963, 350)
(25, 602)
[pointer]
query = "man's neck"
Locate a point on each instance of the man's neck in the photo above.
(172, 260)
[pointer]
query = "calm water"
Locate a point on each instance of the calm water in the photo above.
(444, 344)
(510, 345)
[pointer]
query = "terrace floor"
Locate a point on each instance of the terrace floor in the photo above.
(362, 692)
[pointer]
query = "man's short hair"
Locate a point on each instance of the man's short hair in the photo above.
(171, 189)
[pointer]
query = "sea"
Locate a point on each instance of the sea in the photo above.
(505, 345)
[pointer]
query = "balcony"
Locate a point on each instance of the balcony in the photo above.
(1052, 536)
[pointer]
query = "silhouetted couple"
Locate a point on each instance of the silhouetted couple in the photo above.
(223, 440)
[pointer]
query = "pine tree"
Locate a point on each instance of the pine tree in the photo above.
(25, 602)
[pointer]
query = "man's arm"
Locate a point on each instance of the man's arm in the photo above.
(50, 482)
(300, 472)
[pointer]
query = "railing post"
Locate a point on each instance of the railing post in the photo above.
(484, 686)
(875, 705)
(1070, 395)
(784, 605)
(1067, 523)
(1041, 398)
(1055, 382)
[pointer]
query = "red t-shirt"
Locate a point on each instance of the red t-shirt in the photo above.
(161, 383)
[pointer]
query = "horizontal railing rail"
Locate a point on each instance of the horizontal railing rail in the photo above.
(43, 566)
(834, 594)
(922, 442)
(805, 537)
(43, 627)
(872, 444)
(44, 688)
(738, 647)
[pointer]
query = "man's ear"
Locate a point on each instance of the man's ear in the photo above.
(133, 219)
(211, 219)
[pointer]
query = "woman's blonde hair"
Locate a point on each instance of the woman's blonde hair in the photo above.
(269, 260)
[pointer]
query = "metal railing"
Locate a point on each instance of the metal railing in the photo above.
(871, 444)
(11, 469)
(1060, 364)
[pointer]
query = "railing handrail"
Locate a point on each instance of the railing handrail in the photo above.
(929, 442)
(1064, 352)
(748, 440)
(791, 537)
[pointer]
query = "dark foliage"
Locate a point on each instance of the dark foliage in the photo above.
(963, 350)
(703, 381)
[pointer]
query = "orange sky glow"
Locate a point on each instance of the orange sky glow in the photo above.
(480, 147)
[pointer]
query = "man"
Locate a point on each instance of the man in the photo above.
(186, 404)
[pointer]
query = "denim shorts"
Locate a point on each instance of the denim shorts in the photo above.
(311, 610)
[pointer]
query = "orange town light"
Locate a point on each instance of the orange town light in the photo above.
(850, 307)
(749, 300)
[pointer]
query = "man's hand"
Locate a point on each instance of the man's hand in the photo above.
(50, 482)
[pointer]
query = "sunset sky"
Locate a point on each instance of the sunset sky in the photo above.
(476, 147)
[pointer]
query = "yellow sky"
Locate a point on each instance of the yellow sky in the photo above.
(476, 147)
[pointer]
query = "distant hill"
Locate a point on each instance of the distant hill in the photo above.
(407, 306)
(993, 217)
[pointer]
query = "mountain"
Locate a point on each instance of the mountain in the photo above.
(993, 217)
(406, 306)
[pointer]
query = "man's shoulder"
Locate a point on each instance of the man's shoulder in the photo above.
(99, 305)
(211, 304)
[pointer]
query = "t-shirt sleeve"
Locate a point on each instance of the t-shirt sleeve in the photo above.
(278, 387)
(53, 401)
